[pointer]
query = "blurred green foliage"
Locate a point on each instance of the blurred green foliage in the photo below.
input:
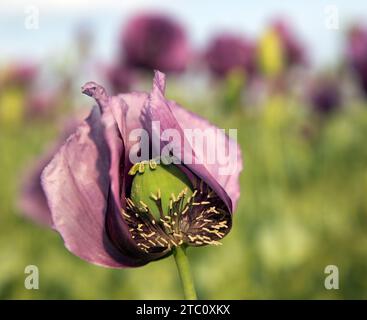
(303, 206)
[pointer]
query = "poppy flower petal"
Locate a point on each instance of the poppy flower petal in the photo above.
(158, 108)
(77, 186)
(228, 171)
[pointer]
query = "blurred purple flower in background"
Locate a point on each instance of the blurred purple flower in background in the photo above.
(155, 41)
(325, 95)
(88, 180)
(32, 200)
(41, 104)
(121, 78)
(228, 52)
(20, 74)
(17, 81)
(356, 54)
(293, 49)
(26, 95)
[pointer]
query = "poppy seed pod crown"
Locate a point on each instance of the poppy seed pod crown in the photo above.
(153, 182)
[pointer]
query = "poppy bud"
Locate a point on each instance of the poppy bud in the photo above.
(153, 181)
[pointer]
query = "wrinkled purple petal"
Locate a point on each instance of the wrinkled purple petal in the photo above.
(171, 116)
(229, 182)
(32, 201)
(77, 186)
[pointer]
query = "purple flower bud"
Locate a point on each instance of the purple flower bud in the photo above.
(154, 41)
(356, 54)
(229, 52)
(88, 183)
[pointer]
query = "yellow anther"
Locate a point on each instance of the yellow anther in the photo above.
(152, 164)
(143, 204)
(141, 167)
(134, 169)
(160, 243)
(150, 234)
(192, 238)
(125, 214)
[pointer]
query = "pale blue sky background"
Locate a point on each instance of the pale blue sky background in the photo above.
(202, 18)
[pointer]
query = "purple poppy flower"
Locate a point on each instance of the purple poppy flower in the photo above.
(154, 41)
(356, 53)
(93, 188)
(325, 95)
(228, 52)
(293, 49)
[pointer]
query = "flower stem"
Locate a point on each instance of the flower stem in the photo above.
(183, 268)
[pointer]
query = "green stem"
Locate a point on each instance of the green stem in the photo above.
(183, 268)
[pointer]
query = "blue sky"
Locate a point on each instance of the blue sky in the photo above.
(202, 18)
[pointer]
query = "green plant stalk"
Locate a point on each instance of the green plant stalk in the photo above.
(183, 268)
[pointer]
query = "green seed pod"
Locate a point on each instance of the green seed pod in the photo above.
(158, 182)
